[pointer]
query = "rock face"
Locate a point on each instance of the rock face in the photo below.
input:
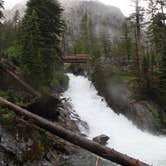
(107, 19)
(144, 114)
(83, 158)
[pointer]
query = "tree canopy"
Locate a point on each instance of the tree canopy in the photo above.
(40, 40)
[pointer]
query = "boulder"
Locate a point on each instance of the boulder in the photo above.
(47, 107)
(101, 139)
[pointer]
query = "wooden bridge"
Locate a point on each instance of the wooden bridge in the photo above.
(76, 58)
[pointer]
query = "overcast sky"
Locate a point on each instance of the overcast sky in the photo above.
(124, 5)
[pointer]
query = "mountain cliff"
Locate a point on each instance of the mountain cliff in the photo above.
(105, 18)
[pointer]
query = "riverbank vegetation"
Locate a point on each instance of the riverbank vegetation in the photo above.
(33, 44)
(30, 54)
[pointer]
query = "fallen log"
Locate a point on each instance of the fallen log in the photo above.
(102, 151)
(21, 82)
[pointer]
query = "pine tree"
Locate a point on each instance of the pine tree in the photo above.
(138, 37)
(136, 20)
(106, 45)
(31, 49)
(157, 44)
(40, 39)
(84, 40)
(16, 19)
(87, 42)
(1, 7)
(127, 40)
(162, 76)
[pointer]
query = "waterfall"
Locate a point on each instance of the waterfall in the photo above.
(125, 137)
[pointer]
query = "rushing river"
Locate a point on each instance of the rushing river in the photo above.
(124, 136)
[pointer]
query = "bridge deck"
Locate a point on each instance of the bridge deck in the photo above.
(76, 58)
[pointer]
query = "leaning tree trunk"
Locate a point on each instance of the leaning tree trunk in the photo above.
(20, 81)
(102, 151)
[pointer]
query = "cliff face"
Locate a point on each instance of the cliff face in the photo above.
(105, 18)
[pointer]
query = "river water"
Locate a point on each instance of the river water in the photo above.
(124, 136)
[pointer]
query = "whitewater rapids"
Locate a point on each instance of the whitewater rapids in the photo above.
(124, 136)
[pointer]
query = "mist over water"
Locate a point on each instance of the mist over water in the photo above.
(124, 136)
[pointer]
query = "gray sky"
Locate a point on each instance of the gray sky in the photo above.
(124, 5)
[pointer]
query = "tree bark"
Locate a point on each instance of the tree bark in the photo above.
(105, 152)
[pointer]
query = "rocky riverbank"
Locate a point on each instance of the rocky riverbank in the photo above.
(24, 144)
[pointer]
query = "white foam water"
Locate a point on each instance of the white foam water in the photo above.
(124, 136)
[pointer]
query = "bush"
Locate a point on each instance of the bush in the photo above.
(60, 81)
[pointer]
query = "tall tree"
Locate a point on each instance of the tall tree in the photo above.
(126, 42)
(157, 45)
(1, 7)
(138, 36)
(31, 49)
(16, 19)
(84, 41)
(106, 45)
(40, 39)
(87, 42)
(136, 20)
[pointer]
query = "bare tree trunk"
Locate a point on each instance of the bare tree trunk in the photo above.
(138, 38)
(97, 160)
(105, 152)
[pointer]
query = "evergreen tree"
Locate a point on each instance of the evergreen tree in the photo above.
(162, 76)
(87, 41)
(106, 45)
(40, 39)
(31, 49)
(1, 7)
(156, 46)
(127, 43)
(16, 19)
(85, 37)
(138, 36)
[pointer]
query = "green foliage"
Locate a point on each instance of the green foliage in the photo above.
(146, 50)
(60, 81)
(9, 47)
(7, 115)
(12, 54)
(105, 45)
(31, 63)
(89, 43)
(85, 40)
(40, 38)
